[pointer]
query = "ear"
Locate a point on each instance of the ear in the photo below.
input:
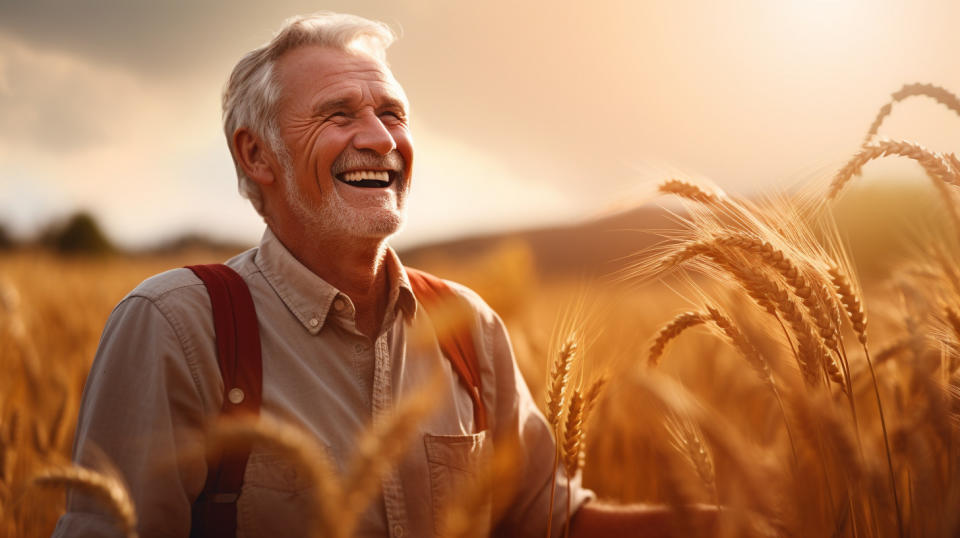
(254, 156)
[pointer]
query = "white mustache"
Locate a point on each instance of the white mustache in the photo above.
(352, 159)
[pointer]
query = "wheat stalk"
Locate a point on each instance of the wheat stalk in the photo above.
(940, 95)
(858, 319)
(108, 489)
(556, 393)
(572, 438)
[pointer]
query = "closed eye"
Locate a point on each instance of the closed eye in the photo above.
(395, 114)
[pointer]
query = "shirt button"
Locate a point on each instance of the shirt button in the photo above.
(338, 304)
(235, 395)
(358, 348)
(397, 530)
(314, 322)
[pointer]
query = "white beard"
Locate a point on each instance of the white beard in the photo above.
(336, 217)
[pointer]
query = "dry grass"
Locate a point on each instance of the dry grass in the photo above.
(826, 429)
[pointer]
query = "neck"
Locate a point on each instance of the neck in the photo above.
(356, 267)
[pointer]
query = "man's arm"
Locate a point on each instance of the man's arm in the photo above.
(595, 519)
(141, 413)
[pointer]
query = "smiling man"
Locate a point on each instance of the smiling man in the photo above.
(318, 129)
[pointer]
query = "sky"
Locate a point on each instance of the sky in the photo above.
(523, 113)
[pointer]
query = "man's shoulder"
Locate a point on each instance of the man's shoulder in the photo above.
(484, 313)
(183, 282)
(173, 281)
(468, 295)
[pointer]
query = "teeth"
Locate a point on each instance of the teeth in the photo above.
(360, 175)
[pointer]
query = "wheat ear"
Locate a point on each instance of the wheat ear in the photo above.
(108, 489)
(851, 302)
(573, 433)
(934, 164)
(741, 344)
(572, 438)
(938, 94)
(689, 191)
(687, 439)
(590, 401)
(811, 351)
(559, 378)
(556, 391)
(670, 331)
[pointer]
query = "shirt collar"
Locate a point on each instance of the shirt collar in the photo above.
(310, 298)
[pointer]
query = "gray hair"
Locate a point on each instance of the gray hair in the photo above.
(252, 91)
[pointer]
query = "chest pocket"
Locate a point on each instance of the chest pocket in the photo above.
(456, 464)
(276, 494)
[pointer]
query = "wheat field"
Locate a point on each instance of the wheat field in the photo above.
(758, 358)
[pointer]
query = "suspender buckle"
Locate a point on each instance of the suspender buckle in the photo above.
(225, 497)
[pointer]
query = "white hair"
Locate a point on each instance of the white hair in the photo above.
(252, 91)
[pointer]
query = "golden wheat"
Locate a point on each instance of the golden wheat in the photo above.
(936, 166)
(937, 93)
(851, 302)
(671, 331)
(104, 487)
(687, 438)
(559, 378)
(689, 191)
(381, 447)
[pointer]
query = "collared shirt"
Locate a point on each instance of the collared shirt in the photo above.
(155, 384)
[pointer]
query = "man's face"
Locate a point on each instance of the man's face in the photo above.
(343, 120)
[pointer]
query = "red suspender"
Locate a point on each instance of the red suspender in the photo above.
(456, 340)
(238, 354)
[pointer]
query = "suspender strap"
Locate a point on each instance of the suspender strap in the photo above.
(454, 335)
(238, 355)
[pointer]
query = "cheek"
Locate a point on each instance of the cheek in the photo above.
(325, 148)
(405, 147)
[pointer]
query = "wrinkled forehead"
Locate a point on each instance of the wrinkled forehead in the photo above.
(321, 72)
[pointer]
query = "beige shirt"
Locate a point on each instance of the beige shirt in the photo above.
(155, 383)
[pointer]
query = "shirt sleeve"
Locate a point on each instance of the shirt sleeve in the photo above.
(519, 422)
(142, 413)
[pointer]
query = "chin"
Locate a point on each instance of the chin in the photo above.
(377, 226)
(383, 228)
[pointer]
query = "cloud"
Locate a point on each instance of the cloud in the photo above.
(54, 101)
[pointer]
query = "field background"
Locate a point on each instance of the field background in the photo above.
(544, 282)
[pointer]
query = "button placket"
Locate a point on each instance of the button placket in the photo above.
(382, 403)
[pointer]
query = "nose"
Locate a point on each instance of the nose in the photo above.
(373, 134)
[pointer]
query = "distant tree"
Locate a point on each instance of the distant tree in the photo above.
(6, 242)
(80, 234)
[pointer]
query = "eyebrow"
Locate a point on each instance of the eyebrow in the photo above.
(325, 107)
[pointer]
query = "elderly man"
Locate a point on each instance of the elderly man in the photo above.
(318, 129)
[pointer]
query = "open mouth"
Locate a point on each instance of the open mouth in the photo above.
(367, 179)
